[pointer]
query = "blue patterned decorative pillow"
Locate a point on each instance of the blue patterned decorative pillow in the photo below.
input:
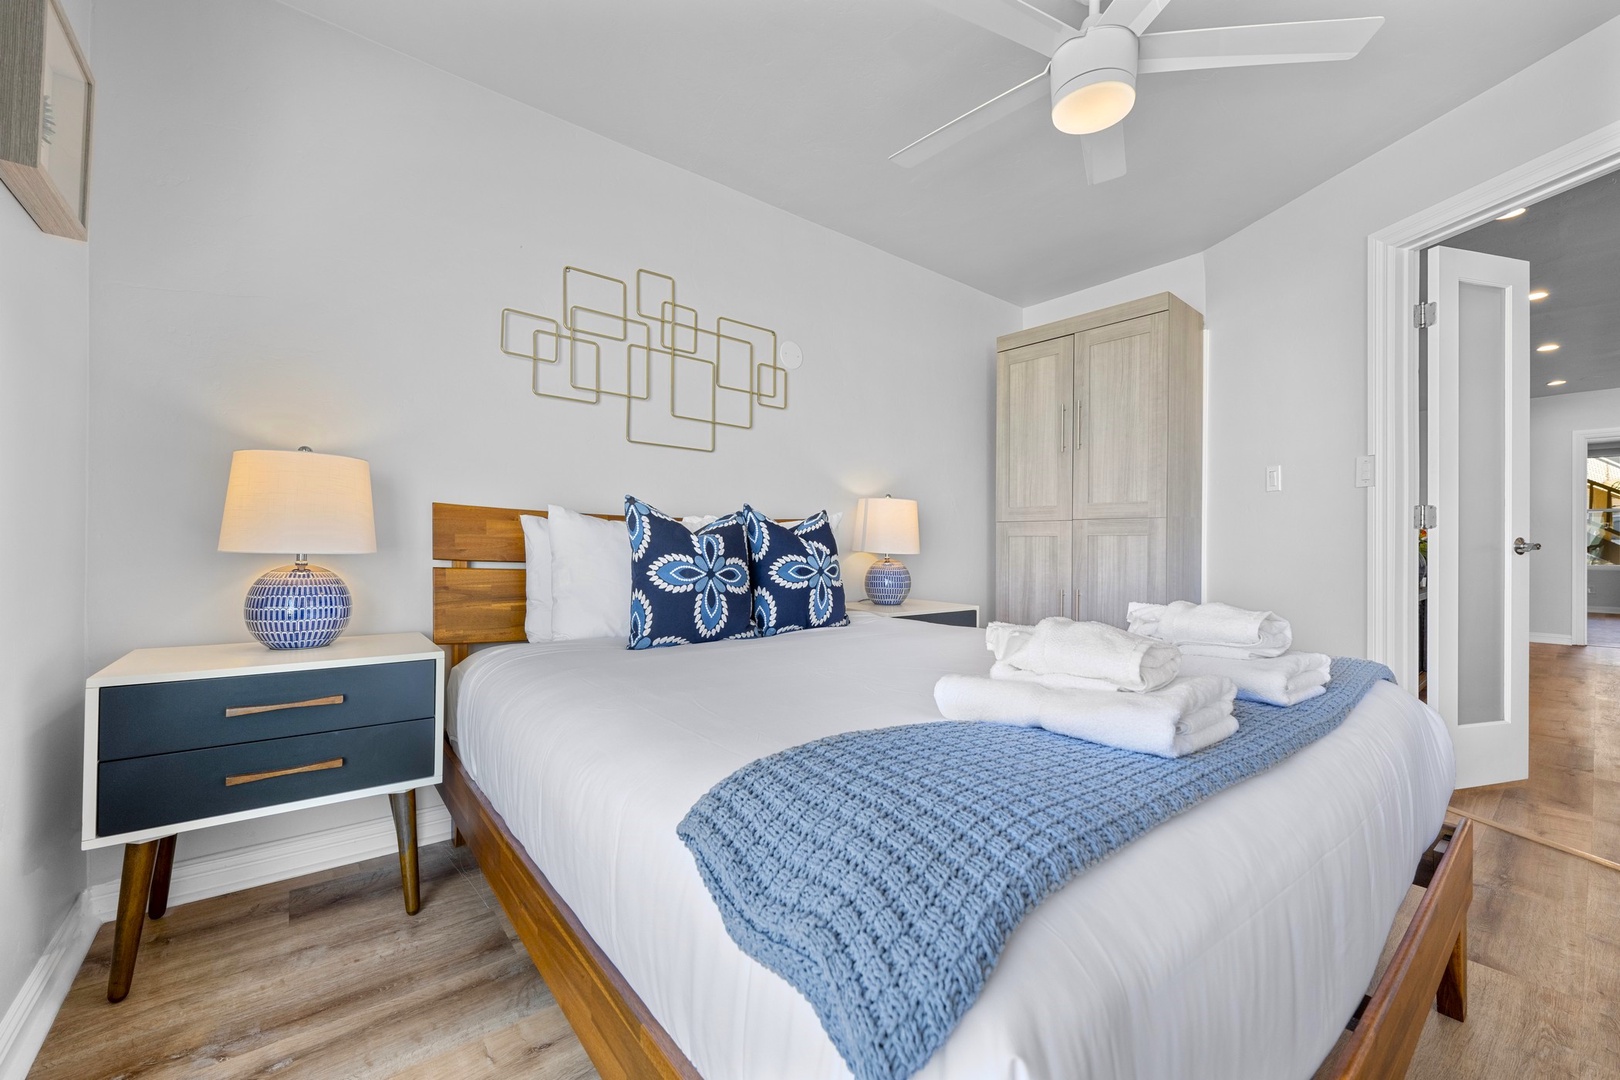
(798, 583)
(685, 587)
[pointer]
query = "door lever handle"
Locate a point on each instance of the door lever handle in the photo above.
(1522, 548)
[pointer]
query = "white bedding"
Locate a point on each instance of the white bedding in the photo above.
(1232, 941)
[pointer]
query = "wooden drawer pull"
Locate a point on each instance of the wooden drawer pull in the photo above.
(255, 777)
(249, 710)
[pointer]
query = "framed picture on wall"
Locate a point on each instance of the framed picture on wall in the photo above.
(46, 100)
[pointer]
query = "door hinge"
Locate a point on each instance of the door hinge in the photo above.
(1423, 315)
(1424, 517)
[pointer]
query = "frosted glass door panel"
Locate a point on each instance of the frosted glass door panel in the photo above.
(1483, 541)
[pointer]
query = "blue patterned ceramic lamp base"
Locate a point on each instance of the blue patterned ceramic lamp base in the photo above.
(888, 582)
(297, 607)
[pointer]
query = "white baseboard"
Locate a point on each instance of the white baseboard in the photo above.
(28, 1020)
(277, 860)
(1550, 639)
(1591, 610)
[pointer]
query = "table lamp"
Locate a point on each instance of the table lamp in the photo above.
(887, 527)
(297, 502)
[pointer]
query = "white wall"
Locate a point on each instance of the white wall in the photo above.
(306, 238)
(44, 356)
(1288, 332)
(1184, 277)
(1553, 421)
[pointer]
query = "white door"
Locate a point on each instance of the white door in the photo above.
(1479, 557)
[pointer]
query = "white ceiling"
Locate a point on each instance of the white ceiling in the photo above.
(1572, 243)
(799, 103)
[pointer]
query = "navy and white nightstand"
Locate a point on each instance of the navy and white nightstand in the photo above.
(934, 611)
(184, 738)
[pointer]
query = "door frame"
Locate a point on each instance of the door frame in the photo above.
(1582, 442)
(1392, 375)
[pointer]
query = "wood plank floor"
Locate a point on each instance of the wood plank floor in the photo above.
(1573, 794)
(322, 976)
(327, 977)
(1603, 629)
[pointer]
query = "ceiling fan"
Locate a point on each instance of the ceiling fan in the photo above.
(1090, 79)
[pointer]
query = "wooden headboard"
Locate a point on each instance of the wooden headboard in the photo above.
(478, 605)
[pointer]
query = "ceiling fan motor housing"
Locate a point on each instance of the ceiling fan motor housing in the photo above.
(1104, 57)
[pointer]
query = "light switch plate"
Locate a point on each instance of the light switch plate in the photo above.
(1273, 477)
(1366, 471)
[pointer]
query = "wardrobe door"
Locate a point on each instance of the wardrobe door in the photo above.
(1117, 561)
(1034, 440)
(1121, 375)
(1032, 570)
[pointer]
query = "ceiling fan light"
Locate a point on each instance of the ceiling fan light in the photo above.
(1095, 106)
(1094, 80)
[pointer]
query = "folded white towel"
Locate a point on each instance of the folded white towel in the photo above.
(1213, 629)
(1091, 650)
(1003, 669)
(1005, 638)
(1187, 715)
(1281, 680)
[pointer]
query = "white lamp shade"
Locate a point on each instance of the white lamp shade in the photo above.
(293, 502)
(886, 526)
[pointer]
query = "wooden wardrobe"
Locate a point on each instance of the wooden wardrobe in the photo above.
(1099, 462)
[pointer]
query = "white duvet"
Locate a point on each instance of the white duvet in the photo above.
(1232, 941)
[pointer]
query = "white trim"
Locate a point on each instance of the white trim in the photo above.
(277, 860)
(1596, 611)
(1392, 373)
(1581, 449)
(29, 1018)
(1551, 639)
(1203, 509)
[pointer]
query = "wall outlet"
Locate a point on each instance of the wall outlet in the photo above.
(1273, 477)
(1366, 471)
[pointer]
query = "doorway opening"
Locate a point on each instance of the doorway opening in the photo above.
(1570, 532)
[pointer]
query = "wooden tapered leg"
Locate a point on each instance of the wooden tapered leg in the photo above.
(133, 890)
(403, 804)
(1451, 999)
(162, 870)
(456, 839)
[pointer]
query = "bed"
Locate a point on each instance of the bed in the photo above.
(1234, 940)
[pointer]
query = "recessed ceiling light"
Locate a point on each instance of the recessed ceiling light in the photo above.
(1558, 382)
(1551, 346)
(1511, 214)
(1539, 294)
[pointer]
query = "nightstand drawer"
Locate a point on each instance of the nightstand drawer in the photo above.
(166, 789)
(163, 717)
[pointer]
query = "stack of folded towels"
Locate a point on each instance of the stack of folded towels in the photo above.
(1248, 647)
(1096, 682)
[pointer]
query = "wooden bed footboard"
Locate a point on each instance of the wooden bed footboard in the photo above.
(618, 1032)
(1430, 963)
(625, 1041)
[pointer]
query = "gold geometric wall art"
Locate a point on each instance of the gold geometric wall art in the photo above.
(680, 381)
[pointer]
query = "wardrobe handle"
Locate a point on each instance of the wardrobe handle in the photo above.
(1080, 428)
(1063, 431)
(1063, 602)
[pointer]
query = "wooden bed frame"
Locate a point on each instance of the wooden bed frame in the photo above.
(485, 604)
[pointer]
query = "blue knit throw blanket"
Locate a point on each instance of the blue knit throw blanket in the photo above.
(880, 872)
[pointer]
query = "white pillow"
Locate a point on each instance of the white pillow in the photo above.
(537, 576)
(590, 577)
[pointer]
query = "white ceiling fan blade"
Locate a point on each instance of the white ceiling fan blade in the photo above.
(1105, 154)
(1244, 46)
(947, 135)
(1136, 14)
(1014, 20)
